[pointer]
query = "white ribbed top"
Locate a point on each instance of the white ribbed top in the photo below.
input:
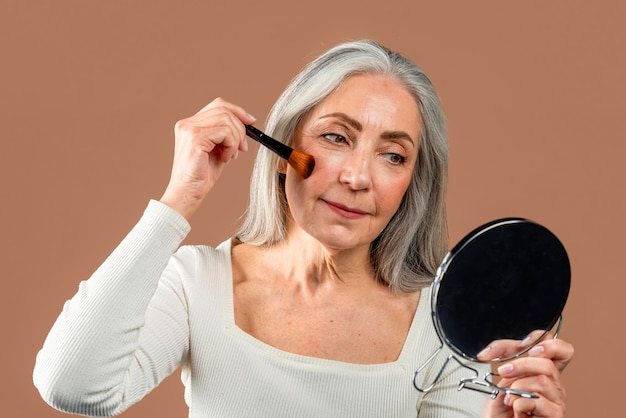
(150, 309)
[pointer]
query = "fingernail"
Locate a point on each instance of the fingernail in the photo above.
(245, 145)
(524, 341)
(507, 399)
(535, 351)
(505, 368)
(485, 351)
(236, 155)
(251, 117)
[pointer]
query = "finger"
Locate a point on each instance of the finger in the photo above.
(528, 366)
(214, 129)
(496, 407)
(224, 115)
(232, 138)
(559, 351)
(222, 143)
(533, 337)
(239, 111)
(500, 349)
(540, 407)
(506, 348)
(540, 385)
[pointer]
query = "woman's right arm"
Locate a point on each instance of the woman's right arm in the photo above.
(125, 329)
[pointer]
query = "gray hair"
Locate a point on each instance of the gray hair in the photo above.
(408, 251)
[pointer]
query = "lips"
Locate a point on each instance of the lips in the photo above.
(345, 211)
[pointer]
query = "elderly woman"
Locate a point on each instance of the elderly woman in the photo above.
(318, 307)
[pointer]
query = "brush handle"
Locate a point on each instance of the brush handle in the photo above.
(278, 147)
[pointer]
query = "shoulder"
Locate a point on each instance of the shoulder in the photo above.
(193, 261)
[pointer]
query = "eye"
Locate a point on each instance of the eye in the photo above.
(395, 159)
(334, 138)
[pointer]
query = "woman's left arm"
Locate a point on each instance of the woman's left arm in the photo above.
(539, 373)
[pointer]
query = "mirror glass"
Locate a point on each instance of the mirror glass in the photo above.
(506, 280)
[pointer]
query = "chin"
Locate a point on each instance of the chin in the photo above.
(336, 237)
(342, 242)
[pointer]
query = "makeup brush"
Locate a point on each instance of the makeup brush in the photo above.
(301, 162)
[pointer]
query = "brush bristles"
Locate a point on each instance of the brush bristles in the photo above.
(302, 163)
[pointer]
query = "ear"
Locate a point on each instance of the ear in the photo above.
(282, 166)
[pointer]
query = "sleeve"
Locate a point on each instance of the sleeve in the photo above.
(445, 400)
(126, 328)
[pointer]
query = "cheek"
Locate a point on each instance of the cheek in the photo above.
(297, 189)
(393, 193)
(324, 172)
(298, 192)
(302, 195)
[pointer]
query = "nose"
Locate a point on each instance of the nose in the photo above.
(356, 172)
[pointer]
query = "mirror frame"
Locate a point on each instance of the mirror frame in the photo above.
(486, 385)
(450, 257)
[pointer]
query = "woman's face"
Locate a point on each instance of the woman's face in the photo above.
(364, 137)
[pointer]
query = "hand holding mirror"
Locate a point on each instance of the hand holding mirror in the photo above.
(504, 284)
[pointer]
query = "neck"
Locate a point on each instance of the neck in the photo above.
(305, 259)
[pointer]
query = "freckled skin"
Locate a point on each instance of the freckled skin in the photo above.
(356, 166)
(316, 293)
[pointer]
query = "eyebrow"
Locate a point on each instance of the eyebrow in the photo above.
(357, 125)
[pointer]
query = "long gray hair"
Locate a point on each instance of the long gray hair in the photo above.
(408, 251)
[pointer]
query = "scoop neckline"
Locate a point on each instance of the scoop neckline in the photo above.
(228, 316)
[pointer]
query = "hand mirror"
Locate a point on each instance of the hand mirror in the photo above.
(507, 280)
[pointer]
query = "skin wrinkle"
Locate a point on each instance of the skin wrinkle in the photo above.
(359, 127)
(307, 139)
(315, 125)
(316, 292)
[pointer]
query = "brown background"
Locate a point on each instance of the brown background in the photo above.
(90, 91)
